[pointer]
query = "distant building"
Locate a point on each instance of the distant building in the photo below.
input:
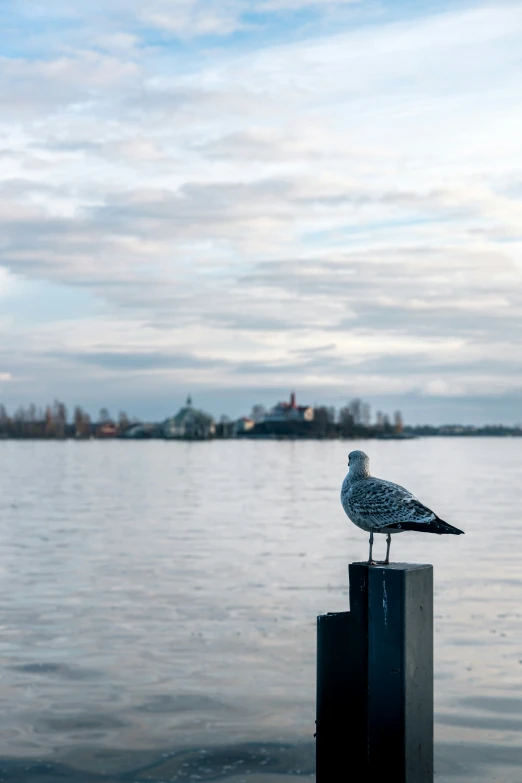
(286, 419)
(141, 431)
(289, 411)
(189, 424)
(243, 425)
(106, 430)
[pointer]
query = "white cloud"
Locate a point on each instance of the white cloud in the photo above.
(8, 283)
(233, 213)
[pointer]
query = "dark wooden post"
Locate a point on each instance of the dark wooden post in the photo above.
(375, 679)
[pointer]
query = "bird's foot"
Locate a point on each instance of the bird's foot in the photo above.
(372, 562)
(382, 562)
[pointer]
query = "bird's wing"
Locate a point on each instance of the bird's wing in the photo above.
(380, 504)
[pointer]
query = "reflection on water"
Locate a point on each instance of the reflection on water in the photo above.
(159, 603)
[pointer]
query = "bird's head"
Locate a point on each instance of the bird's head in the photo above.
(359, 463)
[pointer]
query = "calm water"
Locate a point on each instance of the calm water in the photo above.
(158, 604)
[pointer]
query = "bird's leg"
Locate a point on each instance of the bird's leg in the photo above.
(388, 544)
(370, 558)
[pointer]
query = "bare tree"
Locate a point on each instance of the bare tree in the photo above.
(49, 422)
(19, 419)
(82, 423)
(323, 423)
(59, 419)
(346, 421)
(86, 425)
(258, 413)
(78, 421)
(123, 422)
(355, 407)
(32, 427)
(4, 420)
(104, 417)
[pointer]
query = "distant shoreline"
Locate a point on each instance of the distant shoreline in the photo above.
(406, 437)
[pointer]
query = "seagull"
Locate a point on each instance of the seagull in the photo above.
(379, 506)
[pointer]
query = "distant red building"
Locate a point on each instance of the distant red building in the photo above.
(107, 430)
(289, 411)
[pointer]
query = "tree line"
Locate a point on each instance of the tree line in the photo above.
(355, 420)
(52, 422)
(351, 421)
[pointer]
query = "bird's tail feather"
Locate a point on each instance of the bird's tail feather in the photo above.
(447, 528)
(438, 526)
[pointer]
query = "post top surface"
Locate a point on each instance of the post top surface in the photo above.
(394, 566)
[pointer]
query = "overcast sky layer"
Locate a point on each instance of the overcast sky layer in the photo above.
(240, 197)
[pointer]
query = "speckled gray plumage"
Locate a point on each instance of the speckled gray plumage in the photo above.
(380, 506)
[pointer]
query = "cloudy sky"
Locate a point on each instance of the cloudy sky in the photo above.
(238, 197)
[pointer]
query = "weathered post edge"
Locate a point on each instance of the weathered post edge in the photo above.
(375, 679)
